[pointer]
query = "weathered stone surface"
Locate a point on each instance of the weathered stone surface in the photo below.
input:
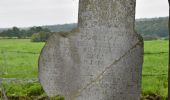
(101, 60)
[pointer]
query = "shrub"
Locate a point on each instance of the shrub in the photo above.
(40, 37)
(23, 89)
(35, 90)
(166, 38)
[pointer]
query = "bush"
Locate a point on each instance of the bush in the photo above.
(166, 38)
(35, 90)
(40, 37)
(23, 89)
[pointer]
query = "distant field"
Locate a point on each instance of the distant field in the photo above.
(18, 59)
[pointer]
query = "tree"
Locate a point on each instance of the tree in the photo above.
(40, 36)
(22, 33)
(16, 32)
(33, 30)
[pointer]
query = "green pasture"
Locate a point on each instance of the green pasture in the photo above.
(18, 59)
(155, 68)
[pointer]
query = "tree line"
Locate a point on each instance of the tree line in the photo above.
(22, 33)
(37, 34)
(152, 28)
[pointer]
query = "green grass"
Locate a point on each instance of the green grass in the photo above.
(18, 59)
(155, 68)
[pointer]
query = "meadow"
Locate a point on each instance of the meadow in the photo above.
(19, 57)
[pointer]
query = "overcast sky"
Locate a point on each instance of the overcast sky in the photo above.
(48, 12)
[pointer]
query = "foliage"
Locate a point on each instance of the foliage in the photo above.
(21, 33)
(61, 28)
(40, 37)
(35, 90)
(149, 28)
(152, 27)
(33, 30)
(23, 89)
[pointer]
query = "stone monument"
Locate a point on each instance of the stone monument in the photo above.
(100, 60)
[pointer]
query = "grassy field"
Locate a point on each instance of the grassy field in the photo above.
(155, 68)
(18, 59)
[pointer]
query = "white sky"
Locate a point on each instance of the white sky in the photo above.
(48, 12)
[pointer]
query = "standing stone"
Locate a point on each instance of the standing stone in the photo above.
(101, 60)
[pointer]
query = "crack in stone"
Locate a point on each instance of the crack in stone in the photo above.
(99, 77)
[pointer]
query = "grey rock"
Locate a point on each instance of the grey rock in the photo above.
(101, 60)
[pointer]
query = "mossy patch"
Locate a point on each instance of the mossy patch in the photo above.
(57, 98)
